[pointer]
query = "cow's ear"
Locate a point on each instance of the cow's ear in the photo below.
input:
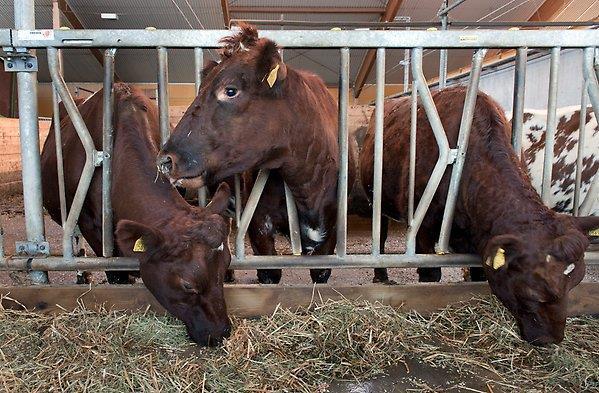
(500, 250)
(588, 225)
(220, 200)
(270, 68)
(133, 236)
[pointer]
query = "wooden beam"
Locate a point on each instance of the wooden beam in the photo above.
(257, 300)
(390, 12)
(74, 21)
(307, 10)
(224, 4)
(549, 10)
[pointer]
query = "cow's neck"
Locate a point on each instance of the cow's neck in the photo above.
(511, 207)
(152, 200)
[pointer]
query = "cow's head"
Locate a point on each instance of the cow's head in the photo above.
(532, 278)
(183, 265)
(235, 122)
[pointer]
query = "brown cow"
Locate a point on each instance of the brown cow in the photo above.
(533, 255)
(186, 251)
(253, 111)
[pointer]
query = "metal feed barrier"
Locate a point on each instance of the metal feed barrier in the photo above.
(34, 254)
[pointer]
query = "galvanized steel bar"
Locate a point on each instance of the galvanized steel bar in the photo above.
(90, 153)
(580, 151)
(343, 135)
(406, 70)
(24, 14)
(443, 52)
(248, 212)
(294, 228)
(268, 262)
(318, 38)
(377, 189)
(107, 150)
(59, 158)
(518, 103)
(462, 147)
(237, 180)
(198, 61)
(551, 126)
(447, 8)
(1, 241)
(413, 133)
(163, 94)
(443, 160)
(591, 76)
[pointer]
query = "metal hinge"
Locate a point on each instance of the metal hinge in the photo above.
(453, 154)
(99, 158)
(19, 60)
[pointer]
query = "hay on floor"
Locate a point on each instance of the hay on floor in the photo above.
(293, 351)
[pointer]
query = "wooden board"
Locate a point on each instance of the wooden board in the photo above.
(255, 300)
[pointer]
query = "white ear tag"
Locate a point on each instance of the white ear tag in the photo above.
(569, 269)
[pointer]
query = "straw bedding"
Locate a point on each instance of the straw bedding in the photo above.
(296, 351)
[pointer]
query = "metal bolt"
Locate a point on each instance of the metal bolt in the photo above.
(29, 65)
(21, 248)
(9, 65)
(42, 247)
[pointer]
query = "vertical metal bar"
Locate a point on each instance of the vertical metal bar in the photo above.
(198, 57)
(107, 149)
(342, 186)
(163, 94)
(443, 52)
(294, 228)
(90, 153)
(591, 75)
(248, 212)
(440, 137)
(412, 173)
(518, 103)
(377, 189)
(24, 11)
(462, 147)
(551, 126)
(581, 141)
(237, 200)
(1, 241)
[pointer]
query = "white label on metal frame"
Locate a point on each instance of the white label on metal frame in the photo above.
(468, 38)
(31, 35)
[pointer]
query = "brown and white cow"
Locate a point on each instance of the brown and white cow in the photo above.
(531, 255)
(183, 249)
(564, 157)
(253, 111)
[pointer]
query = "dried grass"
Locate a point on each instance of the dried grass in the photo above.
(113, 351)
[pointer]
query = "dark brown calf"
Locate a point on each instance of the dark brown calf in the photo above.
(185, 248)
(252, 112)
(532, 255)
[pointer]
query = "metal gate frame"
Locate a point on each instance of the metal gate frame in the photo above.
(19, 43)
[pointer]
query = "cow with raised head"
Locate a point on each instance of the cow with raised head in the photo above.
(532, 256)
(183, 250)
(254, 111)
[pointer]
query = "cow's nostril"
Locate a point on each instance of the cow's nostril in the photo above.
(165, 163)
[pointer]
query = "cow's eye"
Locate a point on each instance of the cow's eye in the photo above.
(231, 91)
(187, 287)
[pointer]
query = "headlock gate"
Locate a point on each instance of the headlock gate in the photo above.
(34, 254)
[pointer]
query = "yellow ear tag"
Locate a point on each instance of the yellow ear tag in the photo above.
(499, 259)
(139, 246)
(272, 76)
(594, 232)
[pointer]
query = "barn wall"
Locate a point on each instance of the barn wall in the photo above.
(10, 154)
(500, 85)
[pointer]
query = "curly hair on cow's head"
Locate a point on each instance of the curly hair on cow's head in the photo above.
(242, 41)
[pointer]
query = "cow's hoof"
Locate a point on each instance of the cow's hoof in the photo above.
(429, 274)
(230, 276)
(320, 276)
(269, 276)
